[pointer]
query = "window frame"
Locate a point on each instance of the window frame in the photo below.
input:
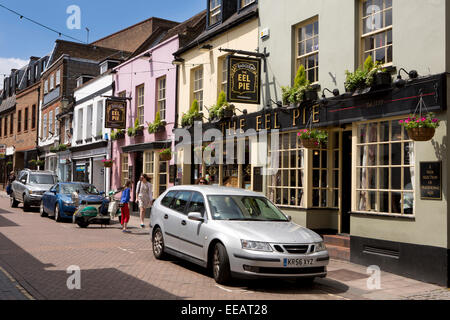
(215, 12)
(19, 121)
(314, 53)
(383, 30)
(356, 167)
(26, 116)
(159, 100)
(124, 174)
(196, 91)
(140, 108)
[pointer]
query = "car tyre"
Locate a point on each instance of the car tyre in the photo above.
(42, 210)
(57, 213)
(158, 244)
(306, 282)
(26, 204)
(83, 224)
(14, 202)
(221, 264)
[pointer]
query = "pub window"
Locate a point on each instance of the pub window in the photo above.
(198, 87)
(124, 173)
(307, 49)
(223, 74)
(161, 91)
(320, 177)
(19, 121)
(33, 116)
(286, 186)
(214, 11)
(25, 120)
(140, 104)
(385, 169)
(376, 26)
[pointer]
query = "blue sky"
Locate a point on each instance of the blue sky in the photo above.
(20, 39)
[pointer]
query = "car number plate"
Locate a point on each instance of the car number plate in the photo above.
(295, 263)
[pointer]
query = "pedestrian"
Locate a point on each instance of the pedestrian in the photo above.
(144, 194)
(125, 210)
(202, 181)
(11, 178)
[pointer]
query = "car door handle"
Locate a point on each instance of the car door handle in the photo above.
(166, 216)
(183, 222)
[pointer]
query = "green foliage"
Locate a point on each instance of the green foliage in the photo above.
(188, 119)
(116, 135)
(154, 127)
(166, 151)
(319, 135)
(363, 78)
(295, 94)
(217, 111)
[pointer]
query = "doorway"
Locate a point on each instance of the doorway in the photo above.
(346, 191)
(138, 168)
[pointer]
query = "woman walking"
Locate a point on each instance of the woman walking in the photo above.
(144, 194)
(125, 210)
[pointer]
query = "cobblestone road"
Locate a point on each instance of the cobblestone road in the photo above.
(35, 253)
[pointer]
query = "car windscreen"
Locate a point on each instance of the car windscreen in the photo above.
(42, 179)
(244, 208)
(84, 189)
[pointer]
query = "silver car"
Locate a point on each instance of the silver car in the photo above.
(30, 186)
(235, 232)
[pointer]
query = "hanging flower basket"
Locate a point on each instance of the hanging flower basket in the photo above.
(421, 134)
(165, 155)
(108, 163)
(420, 128)
(310, 143)
(313, 138)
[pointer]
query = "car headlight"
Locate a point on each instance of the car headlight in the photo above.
(30, 191)
(320, 247)
(256, 245)
(68, 203)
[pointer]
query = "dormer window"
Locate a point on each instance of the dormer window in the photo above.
(83, 79)
(104, 67)
(215, 9)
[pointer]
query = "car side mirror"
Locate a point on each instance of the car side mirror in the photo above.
(23, 181)
(196, 216)
(289, 218)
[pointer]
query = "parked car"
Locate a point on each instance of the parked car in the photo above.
(58, 202)
(29, 187)
(236, 233)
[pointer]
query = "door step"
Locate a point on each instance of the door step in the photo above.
(338, 246)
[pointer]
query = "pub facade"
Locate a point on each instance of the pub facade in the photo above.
(370, 182)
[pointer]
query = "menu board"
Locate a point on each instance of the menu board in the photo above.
(431, 180)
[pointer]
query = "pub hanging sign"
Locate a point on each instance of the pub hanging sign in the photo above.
(244, 80)
(116, 111)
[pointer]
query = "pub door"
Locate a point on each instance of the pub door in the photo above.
(346, 192)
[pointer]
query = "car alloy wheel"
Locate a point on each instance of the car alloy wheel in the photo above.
(221, 265)
(158, 244)
(42, 210)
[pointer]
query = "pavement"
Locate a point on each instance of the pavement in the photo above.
(40, 259)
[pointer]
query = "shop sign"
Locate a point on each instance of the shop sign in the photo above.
(244, 80)
(2, 152)
(116, 111)
(431, 180)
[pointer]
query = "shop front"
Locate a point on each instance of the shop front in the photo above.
(87, 165)
(369, 180)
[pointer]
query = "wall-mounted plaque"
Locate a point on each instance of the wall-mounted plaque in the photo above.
(244, 78)
(116, 114)
(431, 180)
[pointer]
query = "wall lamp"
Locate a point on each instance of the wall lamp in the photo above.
(206, 48)
(400, 82)
(178, 61)
(244, 112)
(335, 93)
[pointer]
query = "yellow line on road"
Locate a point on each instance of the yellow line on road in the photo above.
(18, 286)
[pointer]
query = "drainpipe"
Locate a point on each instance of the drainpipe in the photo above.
(38, 107)
(176, 182)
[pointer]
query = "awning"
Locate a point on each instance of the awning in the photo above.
(147, 146)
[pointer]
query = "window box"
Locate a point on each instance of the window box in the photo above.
(79, 141)
(382, 80)
(311, 95)
(139, 132)
(88, 140)
(99, 137)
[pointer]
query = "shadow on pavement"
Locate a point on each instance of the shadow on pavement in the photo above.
(96, 284)
(277, 286)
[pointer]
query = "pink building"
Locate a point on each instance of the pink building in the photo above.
(149, 81)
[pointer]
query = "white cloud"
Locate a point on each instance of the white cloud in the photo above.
(6, 64)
